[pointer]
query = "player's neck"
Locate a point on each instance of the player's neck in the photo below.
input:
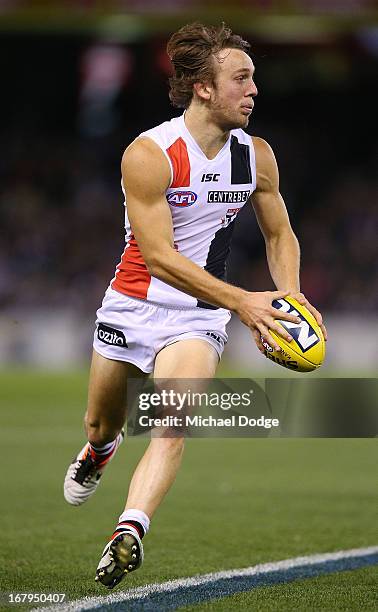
(209, 136)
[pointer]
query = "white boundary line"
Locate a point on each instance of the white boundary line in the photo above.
(143, 592)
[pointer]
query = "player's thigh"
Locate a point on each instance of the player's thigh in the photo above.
(107, 390)
(192, 358)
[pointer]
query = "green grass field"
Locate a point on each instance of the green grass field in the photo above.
(236, 503)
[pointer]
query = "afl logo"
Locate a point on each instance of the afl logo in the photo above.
(182, 198)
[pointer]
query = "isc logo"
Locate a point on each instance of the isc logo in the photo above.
(210, 178)
(303, 334)
(182, 198)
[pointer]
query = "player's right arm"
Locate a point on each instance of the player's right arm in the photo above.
(146, 177)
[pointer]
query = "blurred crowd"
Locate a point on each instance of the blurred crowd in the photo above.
(61, 218)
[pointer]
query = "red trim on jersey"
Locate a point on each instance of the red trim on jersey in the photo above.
(132, 276)
(178, 154)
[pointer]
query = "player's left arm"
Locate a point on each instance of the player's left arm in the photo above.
(282, 247)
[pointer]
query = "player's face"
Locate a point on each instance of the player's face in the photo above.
(233, 90)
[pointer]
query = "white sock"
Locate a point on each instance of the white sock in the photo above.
(103, 450)
(135, 515)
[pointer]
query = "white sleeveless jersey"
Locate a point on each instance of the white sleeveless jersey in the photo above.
(204, 198)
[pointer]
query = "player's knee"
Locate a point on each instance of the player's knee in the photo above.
(100, 430)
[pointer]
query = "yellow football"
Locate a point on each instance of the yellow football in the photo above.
(306, 351)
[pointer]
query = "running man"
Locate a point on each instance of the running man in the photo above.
(166, 309)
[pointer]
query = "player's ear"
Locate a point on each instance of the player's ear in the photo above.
(203, 90)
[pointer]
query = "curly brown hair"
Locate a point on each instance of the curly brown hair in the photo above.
(191, 51)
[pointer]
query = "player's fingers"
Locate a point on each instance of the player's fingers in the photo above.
(277, 295)
(257, 338)
(315, 313)
(268, 338)
(284, 316)
(300, 298)
(323, 328)
(281, 331)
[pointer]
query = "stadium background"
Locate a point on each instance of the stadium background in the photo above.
(79, 80)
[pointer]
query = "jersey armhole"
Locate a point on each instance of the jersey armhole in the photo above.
(170, 167)
(252, 155)
(163, 151)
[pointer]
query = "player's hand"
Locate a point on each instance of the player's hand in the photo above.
(315, 313)
(256, 311)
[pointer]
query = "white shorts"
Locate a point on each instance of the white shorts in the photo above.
(132, 330)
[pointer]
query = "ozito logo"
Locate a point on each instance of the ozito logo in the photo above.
(303, 333)
(111, 336)
(182, 198)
